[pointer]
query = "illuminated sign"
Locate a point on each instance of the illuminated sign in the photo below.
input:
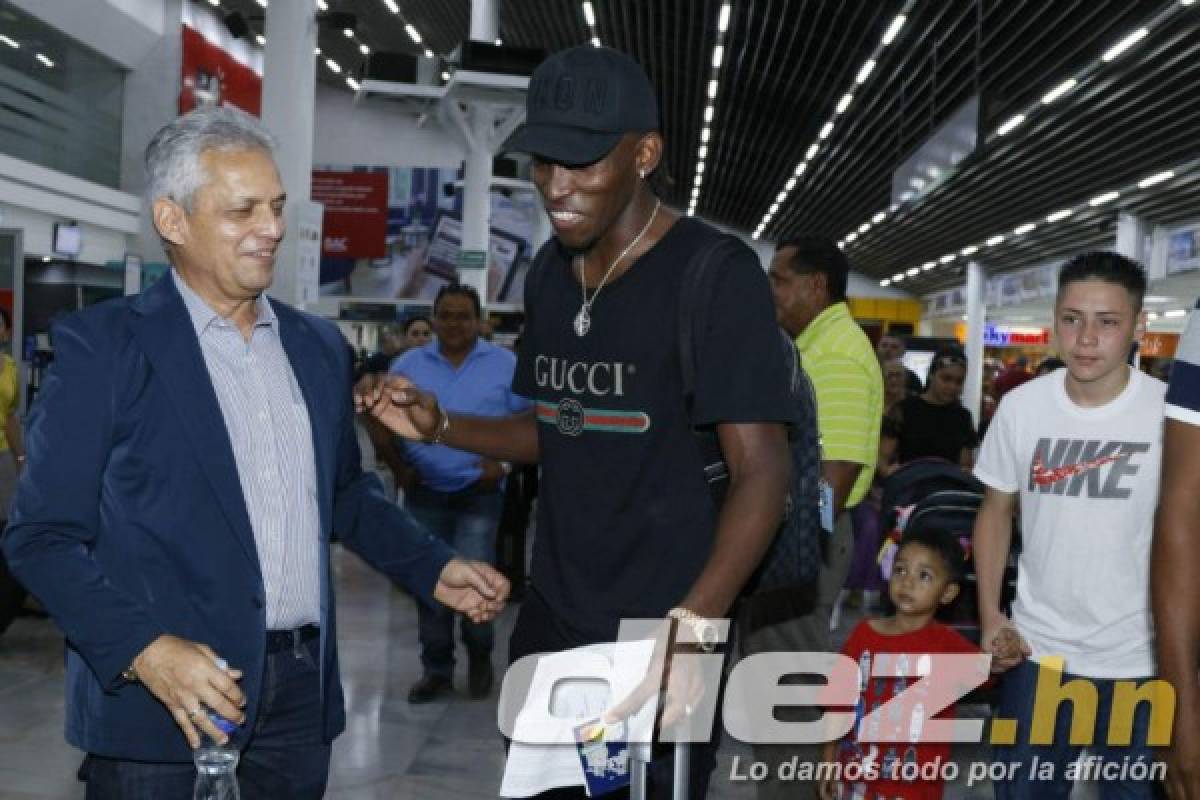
(1006, 336)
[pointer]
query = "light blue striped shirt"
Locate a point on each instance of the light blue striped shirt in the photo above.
(268, 425)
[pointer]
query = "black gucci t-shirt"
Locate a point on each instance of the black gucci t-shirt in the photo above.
(625, 521)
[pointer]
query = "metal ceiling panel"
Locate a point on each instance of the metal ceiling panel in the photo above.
(788, 62)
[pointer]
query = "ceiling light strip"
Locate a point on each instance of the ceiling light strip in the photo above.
(365, 50)
(714, 87)
(894, 29)
(1069, 85)
(589, 19)
(409, 28)
(1020, 231)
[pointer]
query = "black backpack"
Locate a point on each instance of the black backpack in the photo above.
(786, 578)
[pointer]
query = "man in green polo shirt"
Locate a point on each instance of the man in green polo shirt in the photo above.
(808, 277)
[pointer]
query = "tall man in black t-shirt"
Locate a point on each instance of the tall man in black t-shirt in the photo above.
(626, 525)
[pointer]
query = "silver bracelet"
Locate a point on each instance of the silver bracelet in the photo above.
(442, 428)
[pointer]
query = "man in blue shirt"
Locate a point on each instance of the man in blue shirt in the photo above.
(457, 495)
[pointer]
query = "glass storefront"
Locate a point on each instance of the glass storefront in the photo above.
(60, 102)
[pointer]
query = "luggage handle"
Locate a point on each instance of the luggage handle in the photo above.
(682, 767)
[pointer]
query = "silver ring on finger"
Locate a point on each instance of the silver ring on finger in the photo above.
(195, 712)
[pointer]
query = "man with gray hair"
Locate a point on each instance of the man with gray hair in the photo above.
(190, 457)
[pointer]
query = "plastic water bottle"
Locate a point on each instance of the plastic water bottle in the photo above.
(216, 765)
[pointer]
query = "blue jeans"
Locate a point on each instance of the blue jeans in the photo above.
(1017, 699)
(284, 756)
(466, 521)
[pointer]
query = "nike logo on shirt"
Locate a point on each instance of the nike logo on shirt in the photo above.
(1048, 477)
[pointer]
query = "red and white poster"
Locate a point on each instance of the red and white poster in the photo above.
(356, 213)
(211, 76)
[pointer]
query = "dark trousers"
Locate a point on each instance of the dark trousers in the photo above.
(519, 491)
(805, 633)
(466, 521)
(284, 756)
(1018, 690)
(12, 594)
(537, 631)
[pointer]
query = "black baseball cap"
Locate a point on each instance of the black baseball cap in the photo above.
(581, 102)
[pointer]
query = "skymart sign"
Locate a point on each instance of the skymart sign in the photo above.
(1009, 336)
(544, 696)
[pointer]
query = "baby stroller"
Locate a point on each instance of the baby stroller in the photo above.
(934, 493)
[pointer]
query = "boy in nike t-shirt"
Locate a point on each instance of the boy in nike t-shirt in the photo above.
(1080, 448)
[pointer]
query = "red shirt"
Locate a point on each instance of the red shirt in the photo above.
(871, 651)
(1010, 379)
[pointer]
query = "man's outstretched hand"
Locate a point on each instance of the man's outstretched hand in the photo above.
(399, 405)
(474, 588)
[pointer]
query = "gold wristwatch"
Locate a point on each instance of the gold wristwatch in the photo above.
(703, 629)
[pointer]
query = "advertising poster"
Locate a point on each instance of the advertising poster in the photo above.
(308, 224)
(1183, 252)
(417, 250)
(211, 76)
(356, 213)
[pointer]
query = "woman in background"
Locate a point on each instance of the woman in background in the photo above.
(12, 456)
(418, 332)
(933, 424)
(895, 384)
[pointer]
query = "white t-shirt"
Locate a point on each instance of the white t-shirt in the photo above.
(1088, 480)
(1183, 393)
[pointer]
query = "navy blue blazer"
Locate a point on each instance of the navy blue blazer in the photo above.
(129, 520)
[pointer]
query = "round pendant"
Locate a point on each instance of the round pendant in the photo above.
(583, 322)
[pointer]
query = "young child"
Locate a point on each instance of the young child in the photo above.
(926, 574)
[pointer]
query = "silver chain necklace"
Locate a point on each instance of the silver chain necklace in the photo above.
(583, 320)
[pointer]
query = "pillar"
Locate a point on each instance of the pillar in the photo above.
(1131, 237)
(288, 107)
(1132, 232)
(151, 101)
(477, 166)
(485, 20)
(477, 198)
(976, 318)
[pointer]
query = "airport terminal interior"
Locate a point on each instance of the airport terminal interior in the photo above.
(956, 153)
(391, 750)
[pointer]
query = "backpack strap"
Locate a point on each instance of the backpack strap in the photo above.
(695, 303)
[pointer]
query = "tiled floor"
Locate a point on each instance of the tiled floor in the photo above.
(390, 751)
